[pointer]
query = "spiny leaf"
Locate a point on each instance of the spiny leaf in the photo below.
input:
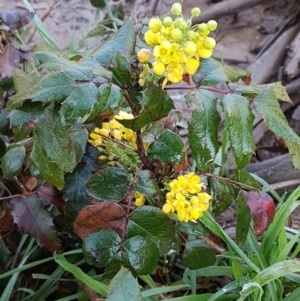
(31, 217)
(212, 72)
(156, 105)
(240, 128)
(203, 126)
(121, 69)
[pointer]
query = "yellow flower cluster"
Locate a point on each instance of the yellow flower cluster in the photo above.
(178, 46)
(139, 199)
(186, 198)
(115, 130)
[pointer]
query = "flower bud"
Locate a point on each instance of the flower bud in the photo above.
(190, 48)
(104, 132)
(158, 68)
(209, 43)
(144, 55)
(117, 135)
(203, 29)
(196, 12)
(155, 25)
(212, 25)
(176, 9)
(191, 35)
(151, 38)
(167, 21)
(176, 34)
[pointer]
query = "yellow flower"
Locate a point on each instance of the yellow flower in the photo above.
(152, 38)
(139, 199)
(202, 51)
(192, 65)
(175, 74)
(155, 25)
(190, 48)
(158, 68)
(209, 43)
(167, 208)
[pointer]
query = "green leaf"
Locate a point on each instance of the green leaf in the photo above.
(56, 142)
(74, 191)
(5, 254)
(108, 100)
(124, 287)
(4, 123)
(100, 29)
(267, 106)
(253, 90)
(151, 222)
(198, 255)
(123, 40)
(78, 105)
(224, 194)
(167, 289)
(25, 85)
(53, 87)
(32, 218)
(243, 219)
(54, 62)
(151, 131)
(168, 147)
(13, 159)
(240, 128)
(95, 285)
(156, 105)
(243, 176)
(99, 248)
(146, 183)
(109, 184)
(80, 137)
(2, 147)
(203, 126)
(141, 253)
(121, 69)
(24, 119)
(212, 72)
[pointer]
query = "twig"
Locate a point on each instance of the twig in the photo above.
(43, 17)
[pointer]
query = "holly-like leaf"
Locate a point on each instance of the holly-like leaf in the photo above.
(99, 248)
(123, 40)
(267, 106)
(262, 209)
(156, 105)
(151, 222)
(53, 87)
(101, 216)
(124, 287)
(146, 183)
(100, 29)
(109, 99)
(13, 159)
(78, 105)
(32, 218)
(168, 147)
(197, 254)
(54, 62)
(56, 142)
(121, 69)
(141, 253)
(80, 137)
(74, 191)
(212, 72)
(239, 127)
(110, 184)
(243, 219)
(203, 126)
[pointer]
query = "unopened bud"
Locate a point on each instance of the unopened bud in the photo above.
(212, 25)
(143, 55)
(167, 21)
(176, 9)
(196, 12)
(155, 25)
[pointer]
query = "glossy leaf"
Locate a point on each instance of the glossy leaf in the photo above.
(262, 208)
(124, 287)
(54, 62)
(32, 218)
(243, 176)
(80, 137)
(156, 105)
(148, 221)
(74, 191)
(79, 104)
(146, 183)
(197, 254)
(243, 219)
(168, 147)
(151, 131)
(203, 126)
(101, 216)
(141, 253)
(56, 142)
(267, 106)
(109, 184)
(99, 248)
(212, 72)
(123, 40)
(13, 159)
(240, 128)
(121, 69)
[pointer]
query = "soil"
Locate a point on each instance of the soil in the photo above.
(239, 36)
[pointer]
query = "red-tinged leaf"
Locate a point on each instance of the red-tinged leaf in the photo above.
(9, 60)
(262, 208)
(32, 218)
(101, 216)
(50, 195)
